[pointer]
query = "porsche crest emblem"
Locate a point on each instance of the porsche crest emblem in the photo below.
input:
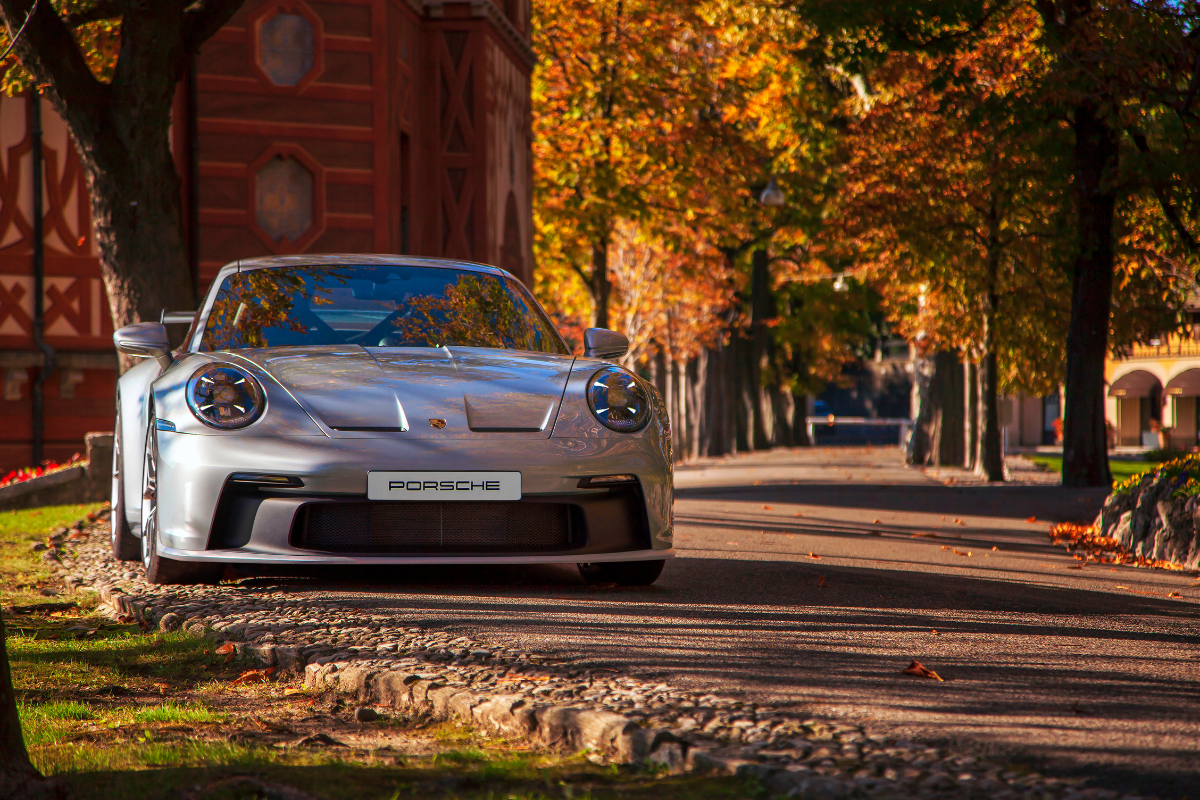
(437, 423)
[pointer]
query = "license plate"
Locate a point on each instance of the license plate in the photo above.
(443, 486)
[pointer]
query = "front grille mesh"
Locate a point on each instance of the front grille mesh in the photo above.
(405, 527)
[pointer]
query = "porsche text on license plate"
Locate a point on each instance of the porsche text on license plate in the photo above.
(443, 486)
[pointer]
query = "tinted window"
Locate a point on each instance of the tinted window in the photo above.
(376, 306)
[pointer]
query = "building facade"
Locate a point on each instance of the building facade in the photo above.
(304, 126)
(1153, 388)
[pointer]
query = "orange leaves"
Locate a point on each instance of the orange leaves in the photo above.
(228, 650)
(1031, 519)
(254, 676)
(1085, 544)
(918, 670)
(813, 555)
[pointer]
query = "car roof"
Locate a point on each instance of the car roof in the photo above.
(356, 260)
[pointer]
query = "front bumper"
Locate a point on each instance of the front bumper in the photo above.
(195, 496)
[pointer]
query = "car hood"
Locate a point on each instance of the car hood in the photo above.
(381, 390)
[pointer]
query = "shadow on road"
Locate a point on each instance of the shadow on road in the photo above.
(1050, 503)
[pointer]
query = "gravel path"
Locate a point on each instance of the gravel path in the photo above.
(350, 648)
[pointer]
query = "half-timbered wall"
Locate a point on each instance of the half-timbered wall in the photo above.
(353, 126)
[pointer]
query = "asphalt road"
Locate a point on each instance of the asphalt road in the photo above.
(809, 579)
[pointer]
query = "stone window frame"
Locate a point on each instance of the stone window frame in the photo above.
(264, 14)
(284, 246)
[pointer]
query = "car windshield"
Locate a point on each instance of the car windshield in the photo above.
(376, 306)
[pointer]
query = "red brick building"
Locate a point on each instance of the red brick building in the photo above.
(363, 126)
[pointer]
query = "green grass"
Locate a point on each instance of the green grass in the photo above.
(49, 664)
(177, 713)
(22, 573)
(1121, 469)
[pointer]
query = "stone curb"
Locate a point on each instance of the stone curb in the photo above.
(615, 719)
(611, 738)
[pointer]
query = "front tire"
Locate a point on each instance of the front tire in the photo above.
(623, 573)
(125, 546)
(161, 570)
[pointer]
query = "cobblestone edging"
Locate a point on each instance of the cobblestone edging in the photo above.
(416, 672)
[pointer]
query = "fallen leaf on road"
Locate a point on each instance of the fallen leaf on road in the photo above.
(769, 508)
(1031, 519)
(919, 670)
(813, 555)
(943, 517)
(1174, 594)
(876, 522)
(995, 548)
(821, 583)
(798, 514)
(253, 676)
(945, 547)
(934, 632)
(960, 522)
(292, 690)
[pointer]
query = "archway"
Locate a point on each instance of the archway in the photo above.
(1182, 392)
(1139, 404)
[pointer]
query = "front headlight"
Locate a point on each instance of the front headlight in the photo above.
(618, 400)
(224, 396)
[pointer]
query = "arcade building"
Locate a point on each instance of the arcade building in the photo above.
(304, 126)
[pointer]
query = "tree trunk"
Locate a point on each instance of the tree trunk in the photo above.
(761, 311)
(783, 411)
(743, 410)
(989, 461)
(1085, 456)
(970, 414)
(802, 403)
(697, 374)
(19, 780)
(600, 287)
(937, 437)
(712, 423)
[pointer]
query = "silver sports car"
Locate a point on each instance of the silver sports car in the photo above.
(362, 410)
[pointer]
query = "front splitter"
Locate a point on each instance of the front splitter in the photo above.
(331, 559)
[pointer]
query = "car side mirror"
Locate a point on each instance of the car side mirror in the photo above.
(144, 340)
(603, 343)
